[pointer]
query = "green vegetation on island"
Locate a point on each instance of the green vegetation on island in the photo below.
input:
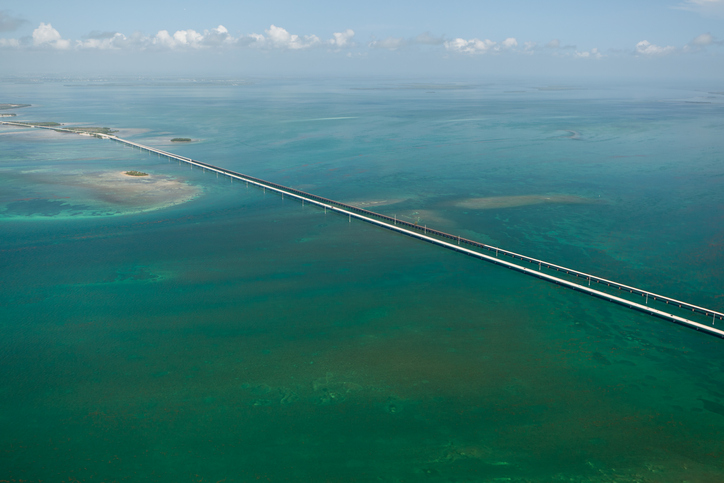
(181, 140)
(8, 114)
(93, 130)
(135, 173)
(42, 124)
(12, 106)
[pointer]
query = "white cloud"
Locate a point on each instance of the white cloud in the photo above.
(477, 46)
(509, 43)
(181, 39)
(163, 38)
(701, 42)
(116, 41)
(46, 35)
(588, 54)
(279, 38)
(342, 40)
(9, 43)
(188, 37)
(705, 39)
(473, 46)
(276, 38)
(217, 36)
(390, 43)
(191, 39)
(254, 40)
(648, 49)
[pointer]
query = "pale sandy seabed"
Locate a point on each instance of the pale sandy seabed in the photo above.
(137, 191)
(128, 132)
(107, 193)
(373, 203)
(496, 202)
(419, 216)
(429, 218)
(24, 133)
(5, 132)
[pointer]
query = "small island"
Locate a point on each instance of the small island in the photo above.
(136, 173)
(41, 124)
(87, 131)
(4, 106)
(93, 130)
(181, 140)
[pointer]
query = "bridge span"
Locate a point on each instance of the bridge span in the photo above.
(577, 280)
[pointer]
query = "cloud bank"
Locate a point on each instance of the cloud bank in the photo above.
(647, 49)
(276, 38)
(477, 46)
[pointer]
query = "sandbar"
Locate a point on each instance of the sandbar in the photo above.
(372, 203)
(424, 217)
(80, 194)
(496, 202)
(141, 192)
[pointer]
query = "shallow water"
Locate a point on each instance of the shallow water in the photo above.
(239, 336)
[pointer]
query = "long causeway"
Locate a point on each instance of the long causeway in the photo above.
(576, 280)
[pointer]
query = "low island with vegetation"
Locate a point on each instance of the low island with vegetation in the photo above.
(4, 106)
(75, 129)
(135, 173)
(93, 130)
(41, 124)
(88, 131)
(181, 140)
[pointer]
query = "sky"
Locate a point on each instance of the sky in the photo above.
(643, 38)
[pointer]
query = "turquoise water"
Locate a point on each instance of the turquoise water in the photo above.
(238, 337)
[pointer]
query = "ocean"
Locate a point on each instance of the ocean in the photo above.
(183, 327)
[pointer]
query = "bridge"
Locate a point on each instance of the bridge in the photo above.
(624, 295)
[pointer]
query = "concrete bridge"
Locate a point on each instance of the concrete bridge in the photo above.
(661, 306)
